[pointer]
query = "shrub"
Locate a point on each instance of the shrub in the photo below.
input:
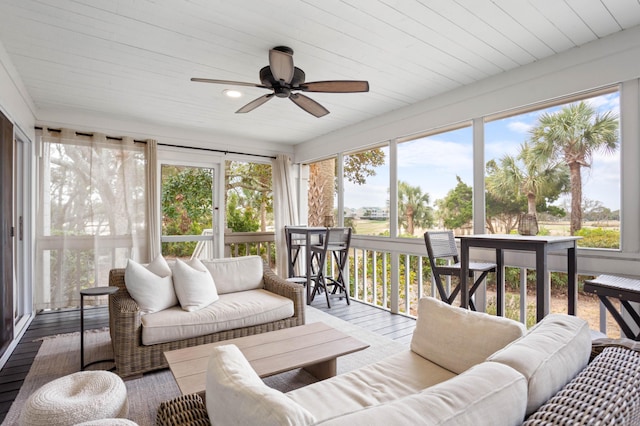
(599, 238)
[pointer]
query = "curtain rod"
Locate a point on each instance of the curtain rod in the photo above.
(114, 138)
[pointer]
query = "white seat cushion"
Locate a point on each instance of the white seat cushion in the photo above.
(456, 338)
(481, 396)
(231, 311)
(395, 377)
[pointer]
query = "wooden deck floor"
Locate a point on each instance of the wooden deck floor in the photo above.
(12, 375)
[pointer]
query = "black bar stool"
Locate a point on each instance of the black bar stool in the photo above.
(337, 242)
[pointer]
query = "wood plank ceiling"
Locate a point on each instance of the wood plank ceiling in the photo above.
(132, 59)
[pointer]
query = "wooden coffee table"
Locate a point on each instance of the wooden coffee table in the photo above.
(313, 347)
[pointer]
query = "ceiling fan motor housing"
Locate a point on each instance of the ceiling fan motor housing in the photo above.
(280, 88)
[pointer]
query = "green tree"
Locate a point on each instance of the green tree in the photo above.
(240, 219)
(252, 184)
(504, 207)
(456, 208)
(530, 176)
(413, 207)
(186, 205)
(359, 166)
(573, 135)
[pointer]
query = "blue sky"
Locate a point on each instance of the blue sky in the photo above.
(433, 162)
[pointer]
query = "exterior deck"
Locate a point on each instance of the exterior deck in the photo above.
(12, 375)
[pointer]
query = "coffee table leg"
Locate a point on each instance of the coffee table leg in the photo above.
(323, 370)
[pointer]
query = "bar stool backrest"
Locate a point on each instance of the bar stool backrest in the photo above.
(337, 239)
(441, 245)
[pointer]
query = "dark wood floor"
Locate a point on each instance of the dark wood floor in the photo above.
(12, 375)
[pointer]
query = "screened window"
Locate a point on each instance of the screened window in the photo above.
(561, 165)
(435, 176)
(366, 191)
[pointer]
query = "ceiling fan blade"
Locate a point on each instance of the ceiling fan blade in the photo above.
(281, 64)
(336, 86)
(228, 82)
(255, 103)
(309, 105)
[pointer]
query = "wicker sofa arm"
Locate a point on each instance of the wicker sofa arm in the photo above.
(290, 290)
(606, 392)
(124, 313)
(182, 411)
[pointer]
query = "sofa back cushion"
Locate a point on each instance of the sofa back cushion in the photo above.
(549, 356)
(237, 396)
(481, 396)
(233, 274)
(456, 338)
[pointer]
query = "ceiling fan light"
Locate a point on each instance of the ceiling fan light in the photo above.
(232, 93)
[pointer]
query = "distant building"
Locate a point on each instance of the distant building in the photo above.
(373, 213)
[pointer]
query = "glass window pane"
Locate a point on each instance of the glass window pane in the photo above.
(560, 165)
(366, 191)
(435, 176)
(187, 209)
(322, 194)
(249, 197)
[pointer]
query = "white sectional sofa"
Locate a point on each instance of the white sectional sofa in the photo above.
(145, 321)
(463, 368)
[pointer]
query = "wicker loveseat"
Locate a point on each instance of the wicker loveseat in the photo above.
(132, 357)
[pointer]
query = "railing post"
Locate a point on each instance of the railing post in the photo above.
(365, 263)
(395, 283)
(407, 281)
(356, 276)
(523, 295)
(374, 279)
(385, 282)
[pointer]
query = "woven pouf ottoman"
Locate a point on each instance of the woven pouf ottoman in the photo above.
(76, 398)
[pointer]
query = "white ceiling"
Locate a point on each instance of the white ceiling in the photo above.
(132, 59)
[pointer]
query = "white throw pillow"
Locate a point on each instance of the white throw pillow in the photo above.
(237, 396)
(194, 285)
(151, 286)
(456, 338)
(549, 356)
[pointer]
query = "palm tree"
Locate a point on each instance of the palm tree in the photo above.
(413, 207)
(321, 190)
(530, 176)
(573, 135)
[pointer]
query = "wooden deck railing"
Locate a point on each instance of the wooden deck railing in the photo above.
(255, 243)
(391, 274)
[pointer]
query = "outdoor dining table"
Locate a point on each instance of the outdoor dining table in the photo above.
(308, 232)
(541, 245)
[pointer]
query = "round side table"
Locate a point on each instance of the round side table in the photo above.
(91, 292)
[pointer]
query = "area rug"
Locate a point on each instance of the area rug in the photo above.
(60, 355)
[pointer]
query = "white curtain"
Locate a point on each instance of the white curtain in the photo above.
(285, 207)
(153, 203)
(91, 213)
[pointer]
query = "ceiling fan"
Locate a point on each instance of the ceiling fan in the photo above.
(284, 80)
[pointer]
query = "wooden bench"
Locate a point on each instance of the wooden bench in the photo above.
(626, 290)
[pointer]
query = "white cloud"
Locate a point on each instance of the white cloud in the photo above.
(520, 127)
